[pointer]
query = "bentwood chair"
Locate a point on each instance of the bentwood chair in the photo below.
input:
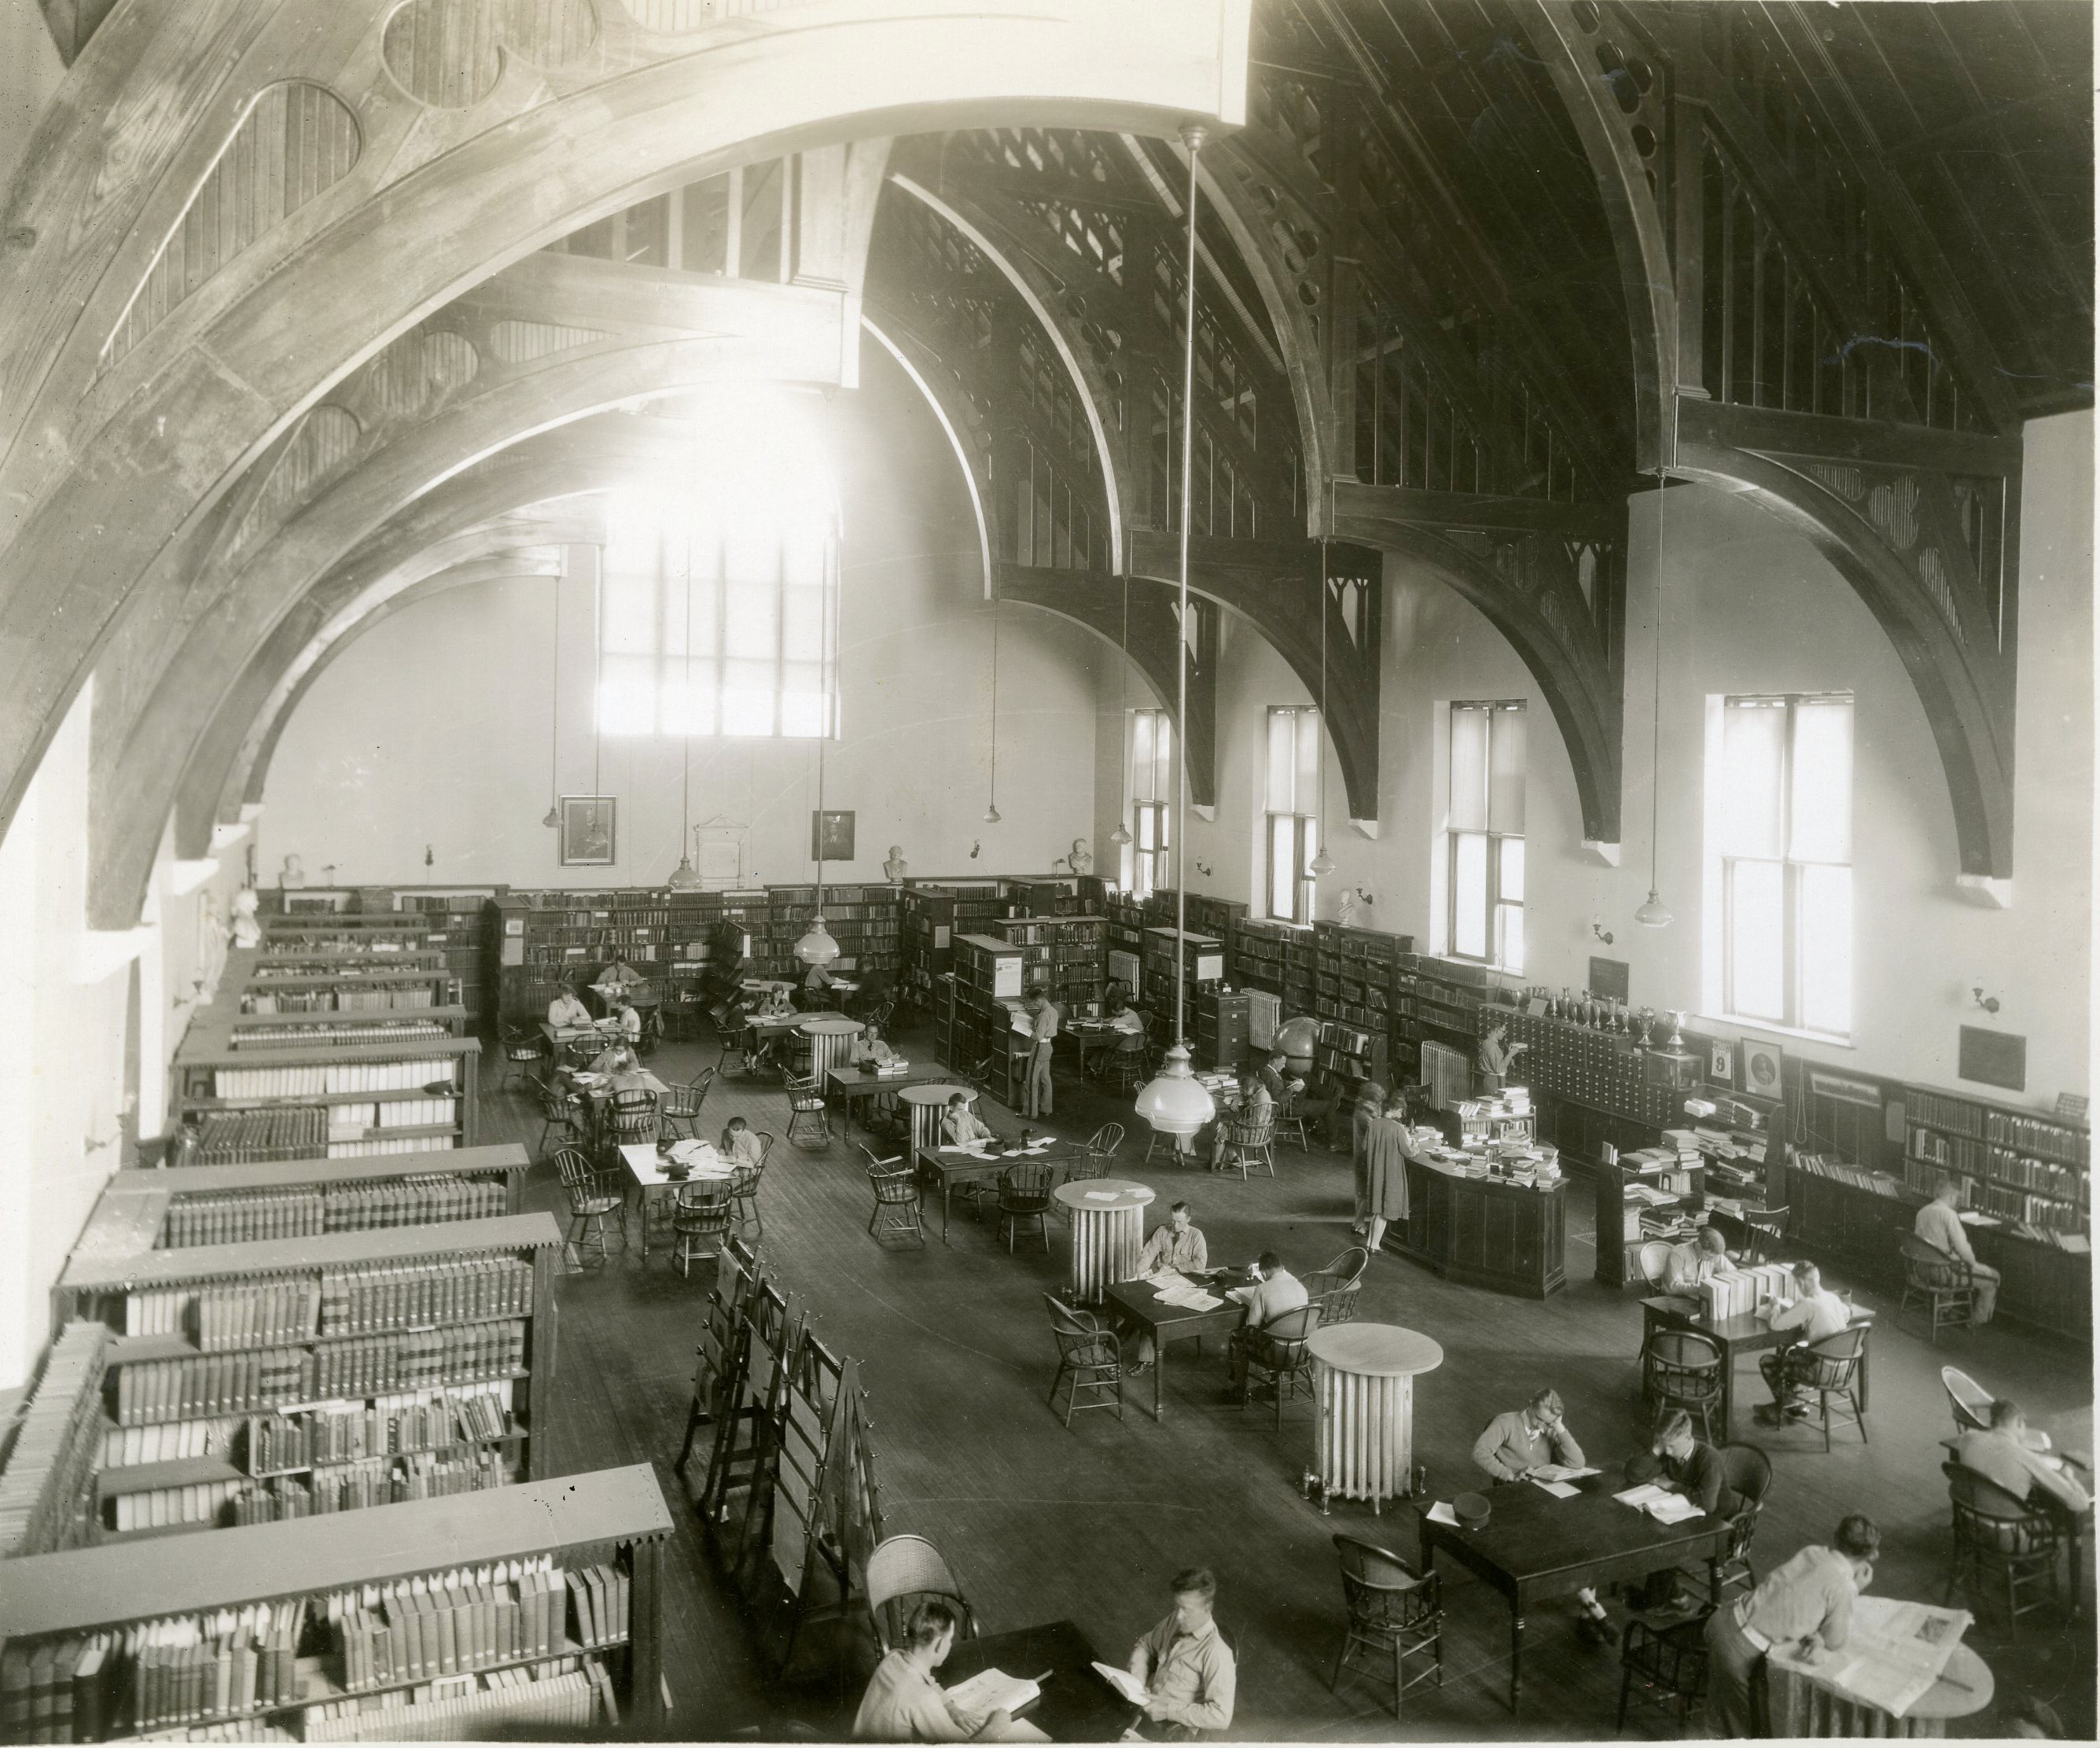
(1088, 1362)
(1682, 1370)
(1279, 1356)
(682, 1104)
(895, 1213)
(903, 1571)
(1766, 1230)
(1394, 1613)
(1655, 1262)
(1942, 1281)
(595, 1196)
(1970, 1401)
(2001, 1541)
(699, 1223)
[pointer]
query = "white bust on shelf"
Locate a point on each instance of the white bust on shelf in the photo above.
(896, 867)
(292, 875)
(1081, 859)
(247, 932)
(1346, 915)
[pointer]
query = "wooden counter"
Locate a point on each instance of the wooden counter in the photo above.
(1482, 1232)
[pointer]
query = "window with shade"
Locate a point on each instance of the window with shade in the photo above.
(1485, 877)
(1785, 813)
(1151, 789)
(1293, 788)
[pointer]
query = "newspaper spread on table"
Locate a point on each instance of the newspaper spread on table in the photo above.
(1897, 1651)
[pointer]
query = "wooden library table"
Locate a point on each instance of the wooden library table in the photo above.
(1077, 1705)
(1535, 1548)
(948, 1167)
(1803, 1701)
(1135, 1306)
(854, 1087)
(1365, 1444)
(650, 1170)
(1108, 1232)
(1745, 1333)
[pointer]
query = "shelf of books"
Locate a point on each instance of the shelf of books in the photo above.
(292, 1377)
(50, 1445)
(301, 1198)
(863, 919)
(1067, 955)
(978, 1035)
(261, 1100)
(1202, 962)
(453, 935)
(529, 1608)
(1276, 959)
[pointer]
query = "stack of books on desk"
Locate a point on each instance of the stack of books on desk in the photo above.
(1735, 1292)
(891, 1070)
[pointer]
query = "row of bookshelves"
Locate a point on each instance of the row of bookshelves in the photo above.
(237, 1218)
(360, 1300)
(54, 1447)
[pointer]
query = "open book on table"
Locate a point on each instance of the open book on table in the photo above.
(990, 1690)
(1659, 1502)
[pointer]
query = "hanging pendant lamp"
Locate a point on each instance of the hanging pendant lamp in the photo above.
(683, 878)
(553, 822)
(1121, 836)
(1655, 914)
(817, 947)
(1174, 1102)
(1322, 863)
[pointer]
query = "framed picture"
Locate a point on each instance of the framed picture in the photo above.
(1761, 1068)
(1721, 1063)
(831, 835)
(514, 926)
(589, 830)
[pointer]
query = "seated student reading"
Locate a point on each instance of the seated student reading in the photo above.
(1514, 1445)
(1680, 1461)
(870, 1050)
(619, 975)
(1125, 1019)
(1274, 1292)
(1938, 1224)
(2003, 1455)
(627, 1017)
(567, 1008)
(740, 1144)
(1191, 1675)
(1816, 1312)
(1257, 1106)
(904, 1703)
(1695, 1262)
(959, 1125)
(815, 980)
(1179, 1245)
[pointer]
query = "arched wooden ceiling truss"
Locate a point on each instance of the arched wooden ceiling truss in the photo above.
(1471, 270)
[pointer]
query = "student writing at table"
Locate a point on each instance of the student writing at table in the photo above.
(619, 975)
(1680, 1461)
(627, 1017)
(816, 981)
(567, 1008)
(904, 1703)
(959, 1125)
(1179, 1245)
(1817, 1312)
(2003, 1456)
(1804, 1607)
(1514, 1445)
(1190, 1673)
(1274, 1292)
(739, 1145)
(1256, 1106)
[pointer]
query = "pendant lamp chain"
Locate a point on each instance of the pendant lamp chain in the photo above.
(1121, 834)
(554, 819)
(1322, 863)
(991, 802)
(1655, 914)
(683, 879)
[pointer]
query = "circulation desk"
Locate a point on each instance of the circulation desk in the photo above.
(1484, 1231)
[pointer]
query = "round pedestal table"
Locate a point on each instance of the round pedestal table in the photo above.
(1108, 1232)
(1364, 1444)
(1801, 1701)
(831, 1042)
(927, 1103)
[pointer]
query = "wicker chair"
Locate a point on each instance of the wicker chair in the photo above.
(1280, 1356)
(699, 1223)
(2000, 1540)
(1023, 1193)
(1681, 1370)
(895, 1213)
(524, 1049)
(1666, 1665)
(633, 1117)
(805, 1109)
(1970, 1401)
(1943, 1282)
(1336, 1286)
(1394, 1613)
(902, 1570)
(595, 1196)
(564, 1110)
(743, 1187)
(682, 1104)
(1251, 1141)
(1088, 1361)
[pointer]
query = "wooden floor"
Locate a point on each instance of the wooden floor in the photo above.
(1043, 1524)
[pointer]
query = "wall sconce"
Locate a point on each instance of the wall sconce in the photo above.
(1988, 1004)
(974, 848)
(1203, 868)
(1365, 897)
(1600, 931)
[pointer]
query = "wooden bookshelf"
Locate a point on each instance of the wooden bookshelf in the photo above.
(290, 1313)
(977, 1026)
(1067, 955)
(614, 1520)
(49, 1437)
(926, 933)
(213, 1076)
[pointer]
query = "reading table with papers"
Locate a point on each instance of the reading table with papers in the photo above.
(1172, 1306)
(1745, 1332)
(1075, 1704)
(1904, 1672)
(938, 1163)
(1538, 1544)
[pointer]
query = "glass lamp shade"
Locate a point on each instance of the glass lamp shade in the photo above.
(683, 878)
(553, 822)
(991, 814)
(1175, 1101)
(1654, 914)
(817, 947)
(1321, 863)
(1121, 834)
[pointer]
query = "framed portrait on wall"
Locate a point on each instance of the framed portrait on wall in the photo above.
(589, 830)
(1761, 1068)
(831, 835)
(1721, 1063)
